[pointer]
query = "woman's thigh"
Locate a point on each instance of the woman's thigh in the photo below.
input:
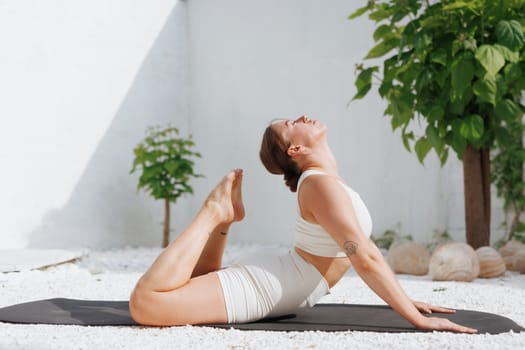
(200, 301)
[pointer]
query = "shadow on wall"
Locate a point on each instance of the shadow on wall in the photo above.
(104, 209)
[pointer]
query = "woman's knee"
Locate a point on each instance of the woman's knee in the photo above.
(135, 305)
(151, 308)
(141, 302)
(200, 301)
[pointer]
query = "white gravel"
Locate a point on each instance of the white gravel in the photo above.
(111, 275)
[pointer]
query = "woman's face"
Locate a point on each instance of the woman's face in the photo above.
(301, 131)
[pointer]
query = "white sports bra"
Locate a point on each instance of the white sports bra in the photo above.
(313, 238)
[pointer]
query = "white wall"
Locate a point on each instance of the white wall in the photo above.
(81, 80)
(254, 60)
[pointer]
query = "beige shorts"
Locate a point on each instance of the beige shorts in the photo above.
(268, 285)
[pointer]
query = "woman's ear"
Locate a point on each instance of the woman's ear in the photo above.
(293, 150)
(297, 150)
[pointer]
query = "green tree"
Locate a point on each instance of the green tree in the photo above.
(507, 176)
(459, 67)
(166, 165)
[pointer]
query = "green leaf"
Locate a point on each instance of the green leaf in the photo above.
(503, 137)
(436, 112)
(490, 58)
(439, 56)
(399, 15)
(456, 5)
(364, 82)
(457, 141)
(390, 69)
(359, 12)
(406, 137)
(510, 34)
(381, 31)
(457, 45)
(400, 118)
(422, 148)
(509, 55)
(382, 48)
(433, 136)
(462, 72)
(477, 126)
(442, 77)
(443, 156)
(384, 88)
(470, 44)
(424, 78)
(422, 42)
(472, 127)
(401, 111)
(512, 72)
(171, 166)
(379, 14)
(457, 106)
(485, 89)
(507, 110)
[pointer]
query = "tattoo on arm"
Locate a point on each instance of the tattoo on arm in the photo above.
(350, 248)
(222, 233)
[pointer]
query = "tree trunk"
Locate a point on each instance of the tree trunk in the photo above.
(476, 177)
(166, 234)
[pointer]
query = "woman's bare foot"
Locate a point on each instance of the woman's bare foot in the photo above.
(238, 206)
(220, 199)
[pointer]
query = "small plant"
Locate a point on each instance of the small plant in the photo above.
(439, 237)
(166, 165)
(519, 236)
(390, 236)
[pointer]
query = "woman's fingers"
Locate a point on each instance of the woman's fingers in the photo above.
(454, 327)
(423, 307)
(441, 309)
(443, 324)
(440, 324)
(428, 309)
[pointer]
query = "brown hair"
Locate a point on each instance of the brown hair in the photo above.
(275, 159)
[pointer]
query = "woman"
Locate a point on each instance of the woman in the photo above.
(186, 284)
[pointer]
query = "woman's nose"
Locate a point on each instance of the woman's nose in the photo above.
(303, 118)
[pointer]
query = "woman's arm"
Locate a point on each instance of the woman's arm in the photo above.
(322, 201)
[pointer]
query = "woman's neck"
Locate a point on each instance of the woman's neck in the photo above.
(323, 160)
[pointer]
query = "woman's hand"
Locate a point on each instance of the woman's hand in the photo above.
(425, 308)
(439, 324)
(443, 324)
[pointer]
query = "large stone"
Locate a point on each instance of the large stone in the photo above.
(491, 263)
(454, 261)
(510, 253)
(409, 258)
(519, 261)
(510, 248)
(509, 262)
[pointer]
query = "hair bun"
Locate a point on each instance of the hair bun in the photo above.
(276, 160)
(291, 180)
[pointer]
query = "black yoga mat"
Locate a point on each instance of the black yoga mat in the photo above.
(322, 317)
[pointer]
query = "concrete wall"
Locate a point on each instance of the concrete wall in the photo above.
(252, 61)
(80, 82)
(82, 79)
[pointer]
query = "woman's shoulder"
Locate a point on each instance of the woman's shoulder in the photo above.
(318, 176)
(318, 183)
